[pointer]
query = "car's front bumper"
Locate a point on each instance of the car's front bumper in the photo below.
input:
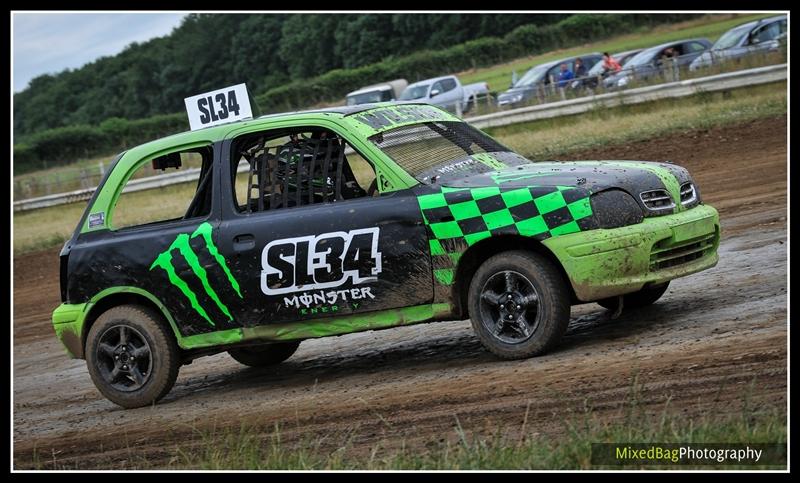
(68, 325)
(609, 262)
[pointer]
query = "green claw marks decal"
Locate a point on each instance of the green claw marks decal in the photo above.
(457, 218)
(181, 244)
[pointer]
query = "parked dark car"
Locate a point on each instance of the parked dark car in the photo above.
(651, 62)
(538, 80)
(760, 36)
(599, 71)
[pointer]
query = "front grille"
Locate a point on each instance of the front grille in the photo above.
(656, 200)
(666, 255)
(688, 193)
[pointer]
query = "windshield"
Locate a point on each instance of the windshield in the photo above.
(532, 76)
(730, 38)
(415, 92)
(433, 151)
(368, 97)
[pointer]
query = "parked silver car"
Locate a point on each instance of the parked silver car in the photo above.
(763, 35)
(446, 92)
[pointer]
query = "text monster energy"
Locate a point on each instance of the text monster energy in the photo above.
(181, 243)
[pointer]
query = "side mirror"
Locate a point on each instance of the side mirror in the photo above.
(434, 92)
(171, 160)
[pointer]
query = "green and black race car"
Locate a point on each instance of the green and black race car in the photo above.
(328, 222)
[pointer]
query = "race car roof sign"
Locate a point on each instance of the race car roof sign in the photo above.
(218, 107)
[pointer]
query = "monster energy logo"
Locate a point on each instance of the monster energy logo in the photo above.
(181, 243)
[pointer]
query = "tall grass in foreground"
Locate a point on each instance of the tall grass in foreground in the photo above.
(563, 443)
(254, 448)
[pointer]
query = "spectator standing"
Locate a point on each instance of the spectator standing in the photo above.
(669, 64)
(580, 69)
(564, 77)
(580, 74)
(610, 64)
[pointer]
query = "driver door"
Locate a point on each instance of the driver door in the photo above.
(330, 253)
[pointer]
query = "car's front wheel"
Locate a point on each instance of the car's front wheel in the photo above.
(132, 356)
(264, 355)
(519, 304)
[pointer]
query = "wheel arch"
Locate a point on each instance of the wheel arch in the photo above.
(478, 253)
(116, 296)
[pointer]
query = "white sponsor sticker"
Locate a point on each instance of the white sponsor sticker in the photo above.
(218, 107)
(323, 261)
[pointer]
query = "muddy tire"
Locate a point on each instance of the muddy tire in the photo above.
(132, 356)
(642, 298)
(264, 355)
(519, 304)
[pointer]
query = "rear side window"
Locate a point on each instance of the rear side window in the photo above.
(190, 198)
(448, 85)
(694, 47)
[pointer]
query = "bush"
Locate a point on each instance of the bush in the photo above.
(64, 145)
(524, 40)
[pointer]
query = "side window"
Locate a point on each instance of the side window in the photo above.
(448, 85)
(297, 167)
(589, 62)
(437, 86)
(695, 47)
(188, 199)
(768, 32)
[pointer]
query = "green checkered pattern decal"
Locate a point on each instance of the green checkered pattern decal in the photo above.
(457, 218)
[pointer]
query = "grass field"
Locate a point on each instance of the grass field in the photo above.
(710, 27)
(543, 139)
(247, 449)
(539, 140)
(521, 447)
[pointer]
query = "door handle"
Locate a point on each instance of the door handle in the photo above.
(244, 242)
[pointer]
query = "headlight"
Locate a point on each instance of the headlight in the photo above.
(615, 208)
(690, 194)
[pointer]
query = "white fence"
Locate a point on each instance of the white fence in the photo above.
(720, 82)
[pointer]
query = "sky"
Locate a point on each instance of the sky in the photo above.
(48, 43)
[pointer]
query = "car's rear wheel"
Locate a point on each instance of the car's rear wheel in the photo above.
(519, 304)
(132, 356)
(264, 355)
(642, 298)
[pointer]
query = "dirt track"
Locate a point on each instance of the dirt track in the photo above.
(712, 339)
